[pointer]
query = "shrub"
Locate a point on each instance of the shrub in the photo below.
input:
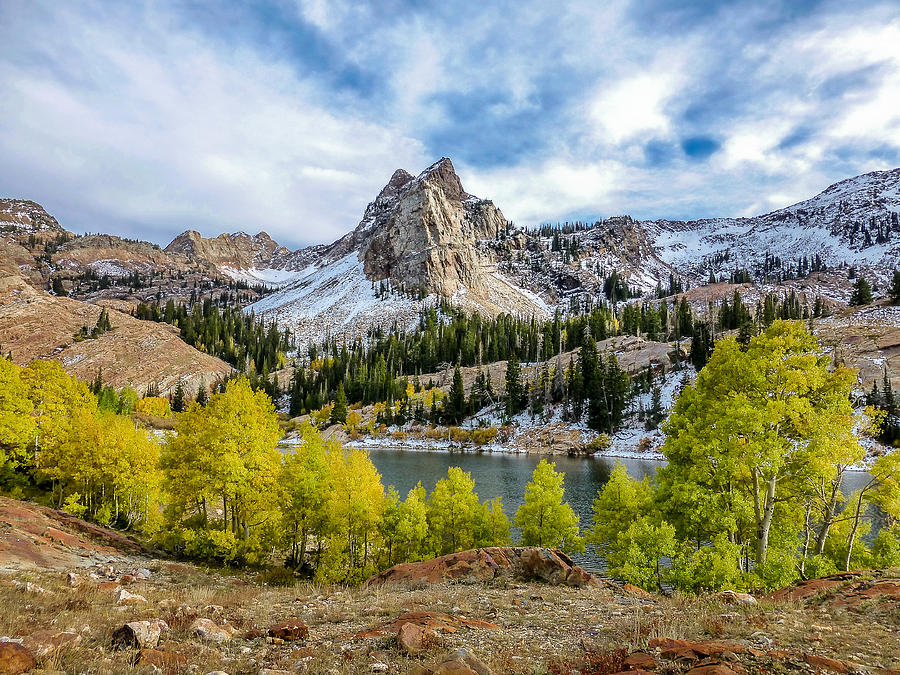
(157, 406)
(484, 436)
(277, 576)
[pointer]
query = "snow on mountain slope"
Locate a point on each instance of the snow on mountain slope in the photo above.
(336, 300)
(853, 222)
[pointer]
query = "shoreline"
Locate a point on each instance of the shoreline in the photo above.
(450, 447)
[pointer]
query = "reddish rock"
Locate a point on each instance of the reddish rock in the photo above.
(639, 661)
(825, 663)
(712, 669)
(44, 642)
(636, 590)
(432, 621)
(554, 567)
(289, 630)
(483, 564)
(412, 638)
(15, 659)
(168, 662)
(676, 649)
(812, 587)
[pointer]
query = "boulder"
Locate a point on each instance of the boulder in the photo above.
(124, 597)
(15, 659)
(484, 564)
(639, 661)
(208, 630)
(289, 630)
(554, 567)
(688, 649)
(139, 634)
(431, 621)
(637, 591)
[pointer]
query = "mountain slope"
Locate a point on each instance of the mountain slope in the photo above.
(37, 325)
(420, 240)
(853, 222)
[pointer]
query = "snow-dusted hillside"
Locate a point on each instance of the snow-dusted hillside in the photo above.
(336, 299)
(426, 237)
(853, 222)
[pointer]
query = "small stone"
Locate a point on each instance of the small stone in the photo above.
(166, 661)
(44, 642)
(639, 660)
(379, 667)
(735, 598)
(289, 630)
(142, 573)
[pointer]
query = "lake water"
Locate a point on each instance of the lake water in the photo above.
(505, 475)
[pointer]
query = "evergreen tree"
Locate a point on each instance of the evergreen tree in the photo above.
(655, 412)
(862, 292)
(455, 405)
(339, 411)
(178, 398)
(895, 288)
(202, 394)
(514, 389)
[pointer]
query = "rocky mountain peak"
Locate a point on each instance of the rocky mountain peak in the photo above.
(26, 216)
(444, 174)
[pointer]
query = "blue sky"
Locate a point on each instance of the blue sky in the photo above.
(145, 119)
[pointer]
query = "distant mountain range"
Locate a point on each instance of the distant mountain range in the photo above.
(425, 238)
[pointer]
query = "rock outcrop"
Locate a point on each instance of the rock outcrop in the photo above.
(238, 251)
(422, 233)
(484, 564)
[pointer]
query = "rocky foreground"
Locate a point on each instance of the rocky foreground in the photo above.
(74, 598)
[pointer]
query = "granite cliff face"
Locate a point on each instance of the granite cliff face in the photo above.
(423, 233)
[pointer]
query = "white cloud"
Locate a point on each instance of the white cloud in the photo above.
(175, 133)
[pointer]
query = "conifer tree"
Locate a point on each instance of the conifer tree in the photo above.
(895, 288)
(339, 411)
(455, 405)
(862, 292)
(178, 397)
(514, 390)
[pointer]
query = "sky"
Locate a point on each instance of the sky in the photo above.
(148, 118)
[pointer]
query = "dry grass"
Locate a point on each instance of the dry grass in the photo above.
(539, 623)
